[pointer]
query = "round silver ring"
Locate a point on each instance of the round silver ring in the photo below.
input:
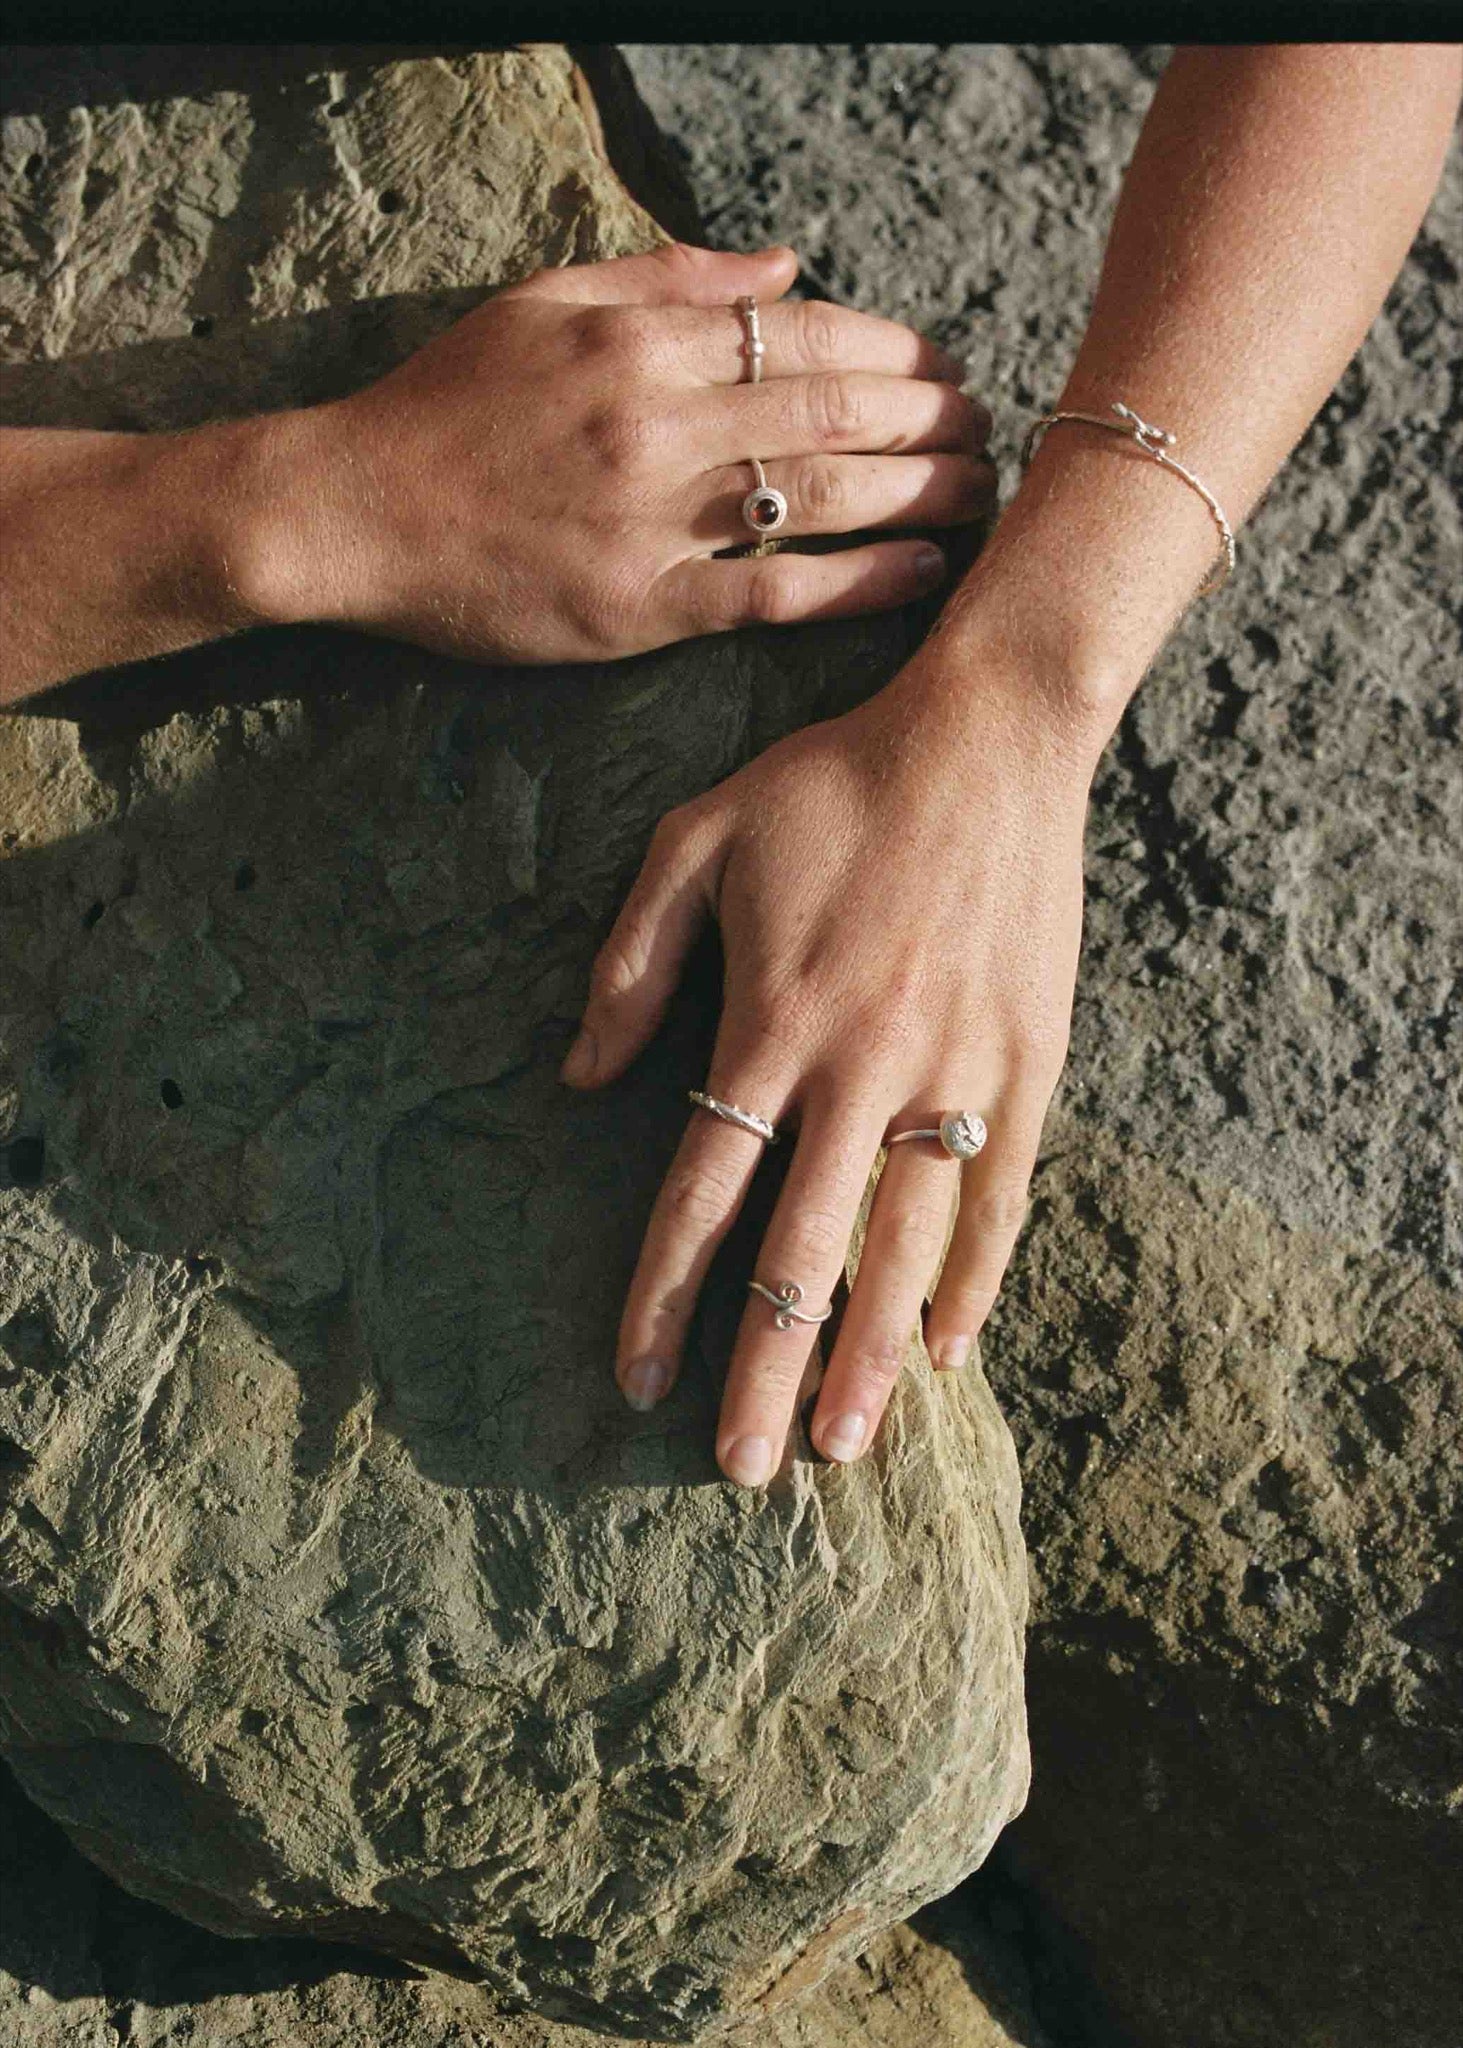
(763, 509)
(785, 1300)
(744, 1119)
(962, 1134)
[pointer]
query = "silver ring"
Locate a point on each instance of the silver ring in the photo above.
(744, 1119)
(756, 349)
(785, 1300)
(764, 510)
(962, 1133)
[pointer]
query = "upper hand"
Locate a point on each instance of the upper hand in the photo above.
(900, 901)
(549, 479)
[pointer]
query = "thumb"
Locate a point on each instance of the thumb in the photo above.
(677, 274)
(639, 966)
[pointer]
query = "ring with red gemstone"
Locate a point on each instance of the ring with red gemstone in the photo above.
(763, 508)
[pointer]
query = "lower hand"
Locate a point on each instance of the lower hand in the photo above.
(900, 899)
(549, 480)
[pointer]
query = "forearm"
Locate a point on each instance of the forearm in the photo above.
(115, 547)
(1270, 203)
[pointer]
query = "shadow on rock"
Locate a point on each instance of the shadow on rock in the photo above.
(66, 1927)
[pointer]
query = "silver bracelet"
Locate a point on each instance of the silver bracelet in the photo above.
(1156, 442)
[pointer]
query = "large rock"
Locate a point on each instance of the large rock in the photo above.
(1230, 1345)
(341, 1593)
(84, 1964)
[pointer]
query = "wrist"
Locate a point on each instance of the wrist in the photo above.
(1085, 576)
(290, 543)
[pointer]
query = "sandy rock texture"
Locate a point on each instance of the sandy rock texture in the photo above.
(1230, 1349)
(340, 1593)
(84, 1964)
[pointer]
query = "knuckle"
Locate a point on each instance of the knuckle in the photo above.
(880, 1359)
(967, 1304)
(998, 1210)
(776, 1376)
(589, 333)
(1035, 1059)
(822, 489)
(771, 594)
(682, 261)
(818, 333)
(619, 965)
(883, 1033)
(622, 435)
(915, 1229)
(818, 1238)
(836, 404)
(700, 1196)
(611, 614)
(670, 836)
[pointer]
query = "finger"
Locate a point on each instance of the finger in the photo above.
(838, 412)
(698, 1202)
(908, 1223)
(803, 336)
(849, 493)
(705, 596)
(806, 1244)
(678, 274)
(993, 1190)
(639, 965)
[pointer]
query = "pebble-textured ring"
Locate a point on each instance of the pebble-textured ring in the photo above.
(962, 1133)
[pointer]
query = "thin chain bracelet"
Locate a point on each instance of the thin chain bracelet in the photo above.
(1156, 442)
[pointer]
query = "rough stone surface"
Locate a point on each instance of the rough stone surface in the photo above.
(341, 1593)
(1230, 1349)
(85, 1965)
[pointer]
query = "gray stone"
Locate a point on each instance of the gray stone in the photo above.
(340, 1594)
(1230, 1344)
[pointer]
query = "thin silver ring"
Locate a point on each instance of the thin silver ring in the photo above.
(764, 509)
(744, 1119)
(756, 348)
(785, 1300)
(962, 1134)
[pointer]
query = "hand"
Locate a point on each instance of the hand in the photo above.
(548, 480)
(900, 900)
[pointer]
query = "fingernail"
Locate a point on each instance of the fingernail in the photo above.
(844, 1438)
(644, 1383)
(952, 1354)
(579, 1061)
(929, 565)
(748, 1460)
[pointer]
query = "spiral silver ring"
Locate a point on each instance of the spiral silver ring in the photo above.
(785, 1300)
(744, 1119)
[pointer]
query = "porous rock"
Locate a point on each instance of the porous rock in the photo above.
(341, 1593)
(1230, 1341)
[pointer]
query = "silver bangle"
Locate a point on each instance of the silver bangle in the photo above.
(1154, 441)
